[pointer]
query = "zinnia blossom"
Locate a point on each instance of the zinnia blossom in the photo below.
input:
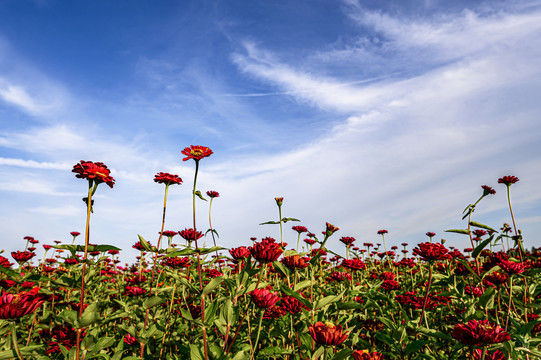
(330, 229)
(487, 190)
(295, 262)
(5, 262)
(22, 256)
(367, 355)
(196, 152)
(300, 229)
(190, 234)
(239, 253)
(97, 172)
(18, 305)
(75, 233)
(354, 264)
(263, 298)
(479, 333)
(266, 251)
(169, 233)
(213, 194)
(167, 179)
(382, 232)
(347, 240)
(432, 251)
(508, 180)
(327, 333)
(511, 267)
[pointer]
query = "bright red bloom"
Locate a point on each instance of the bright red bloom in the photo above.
(366, 355)
(508, 180)
(263, 298)
(18, 305)
(167, 179)
(432, 251)
(511, 267)
(479, 333)
(347, 240)
(339, 276)
(266, 251)
(46, 247)
(300, 229)
(137, 246)
(96, 172)
(295, 262)
(134, 291)
(130, 340)
(71, 261)
(310, 241)
(239, 253)
(292, 305)
(496, 355)
(63, 335)
(196, 152)
(478, 233)
(213, 194)
(327, 333)
(430, 234)
(382, 232)
(390, 285)
(354, 264)
(169, 233)
(176, 262)
(5, 262)
(487, 190)
(22, 256)
(190, 235)
(495, 278)
(75, 233)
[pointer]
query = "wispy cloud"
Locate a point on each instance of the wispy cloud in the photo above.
(34, 164)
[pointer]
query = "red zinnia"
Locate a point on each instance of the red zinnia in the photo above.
(196, 152)
(169, 233)
(508, 180)
(354, 264)
(75, 233)
(511, 267)
(97, 172)
(300, 229)
(167, 179)
(295, 262)
(330, 229)
(327, 333)
(487, 190)
(366, 355)
(266, 251)
(382, 232)
(22, 256)
(239, 253)
(190, 234)
(479, 333)
(5, 262)
(310, 241)
(213, 194)
(432, 251)
(263, 298)
(18, 305)
(347, 240)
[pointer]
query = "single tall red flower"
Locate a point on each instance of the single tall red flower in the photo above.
(479, 333)
(382, 232)
(22, 256)
(347, 240)
(508, 180)
(167, 179)
(263, 298)
(196, 152)
(300, 229)
(432, 251)
(18, 305)
(97, 172)
(5, 262)
(213, 194)
(327, 333)
(190, 234)
(487, 190)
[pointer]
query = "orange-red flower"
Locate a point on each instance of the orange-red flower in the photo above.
(167, 179)
(263, 298)
(97, 172)
(479, 333)
(330, 229)
(18, 305)
(327, 333)
(196, 152)
(366, 355)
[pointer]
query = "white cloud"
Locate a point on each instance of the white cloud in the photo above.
(34, 164)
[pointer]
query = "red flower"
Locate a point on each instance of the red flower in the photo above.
(75, 233)
(63, 335)
(279, 201)
(129, 340)
(327, 334)
(300, 229)
(96, 172)
(47, 247)
(508, 180)
(18, 305)
(190, 234)
(5, 262)
(479, 333)
(347, 240)
(487, 190)
(496, 355)
(478, 233)
(366, 355)
(239, 253)
(432, 251)
(511, 267)
(354, 264)
(330, 229)
(295, 262)
(213, 194)
(263, 298)
(430, 234)
(495, 278)
(309, 241)
(196, 152)
(266, 251)
(390, 285)
(134, 291)
(292, 305)
(137, 246)
(169, 233)
(382, 232)
(22, 256)
(167, 179)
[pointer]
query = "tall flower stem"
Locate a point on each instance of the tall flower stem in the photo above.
(254, 349)
(199, 262)
(211, 229)
(425, 301)
(14, 341)
(91, 190)
(518, 241)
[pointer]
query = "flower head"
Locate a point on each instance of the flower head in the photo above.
(327, 333)
(432, 251)
(167, 179)
(239, 253)
(97, 172)
(295, 262)
(5, 262)
(429, 234)
(169, 233)
(347, 240)
(75, 233)
(382, 232)
(263, 298)
(508, 180)
(279, 201)
(22, 256)
(196, 152)
(487, 190)
(190, 234)
(213, 194)
(300, 229)
(18, 305)
(330, 229)
(367, 355)
(266, 251)
(479, 333)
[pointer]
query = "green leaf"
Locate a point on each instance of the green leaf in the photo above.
(274, 350)
(212, 285)
(328, 300)
(481, 246)
(289, 219)
(146, 245)
(318, 353)
(487, 299)
(342, 354)
(196, 353)
(279, 267)
(296, 295)
(270, 222)
(415, 346)
(483, 226)
(348, 305)
(153, 301)
(302, 285)
(241, 355)
(459, 231)
(212, 231)
(198, 193)
(10, 273)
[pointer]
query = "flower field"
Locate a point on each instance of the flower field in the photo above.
(272, 300)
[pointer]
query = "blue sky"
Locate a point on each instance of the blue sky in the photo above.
(367, 114)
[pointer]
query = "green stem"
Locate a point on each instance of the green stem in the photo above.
(254, 349)
(518, 241)
(280, 220)
(14, 341)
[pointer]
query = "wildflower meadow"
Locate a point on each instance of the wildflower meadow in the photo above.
(272, 300)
